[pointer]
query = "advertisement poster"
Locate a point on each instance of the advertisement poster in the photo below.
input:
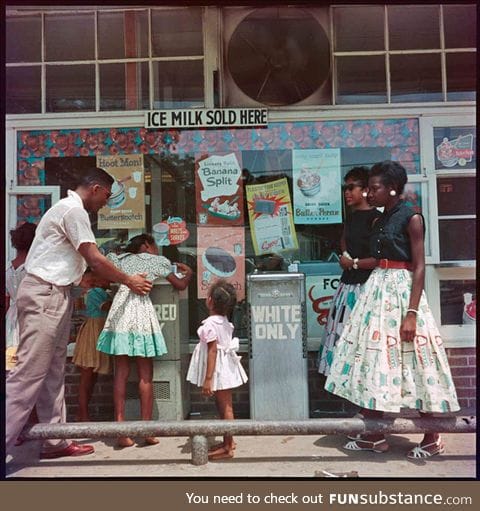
(126, 206)
(317, 186)
(219, 190)
(455, 148)
(171, 232)
(320, 290)
(221, 254)
(270, 216)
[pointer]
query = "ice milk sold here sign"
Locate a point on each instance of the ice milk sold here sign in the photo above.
(207, 118)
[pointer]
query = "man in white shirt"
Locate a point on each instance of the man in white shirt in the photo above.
(63, 246)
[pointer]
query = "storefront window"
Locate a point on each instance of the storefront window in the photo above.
(461, 76)
(178, 84)
(459, 23)
(184, 192)
(177, 32)
(23, 89)
(122, 34)
(69, 36)
(414, 27)
(114, 94)
(361, 80)
(457, 239)
(369, 35)
(28, 47)
(70, 88)
(456, 195)
(416, 78)
(458, 302)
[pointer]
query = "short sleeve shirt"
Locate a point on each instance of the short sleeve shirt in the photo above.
(54, 255)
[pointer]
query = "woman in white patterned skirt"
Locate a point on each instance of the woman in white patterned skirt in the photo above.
(390, 354)
(355, 246)
(132, 328)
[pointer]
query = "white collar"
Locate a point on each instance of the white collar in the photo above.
(74, 195)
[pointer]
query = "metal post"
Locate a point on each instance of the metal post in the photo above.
(199, 450)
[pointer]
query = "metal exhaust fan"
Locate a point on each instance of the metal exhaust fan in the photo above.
(276, 57)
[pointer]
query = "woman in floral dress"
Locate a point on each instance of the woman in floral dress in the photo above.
(390, 355)
(132, 328)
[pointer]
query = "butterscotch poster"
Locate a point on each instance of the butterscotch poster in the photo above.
(126, 206)
(221, 254)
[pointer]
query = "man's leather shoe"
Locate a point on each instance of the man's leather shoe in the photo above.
(73, 449)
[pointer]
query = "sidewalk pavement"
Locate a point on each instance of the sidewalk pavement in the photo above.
(255, 457)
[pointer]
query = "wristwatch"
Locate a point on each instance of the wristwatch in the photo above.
(355, 263)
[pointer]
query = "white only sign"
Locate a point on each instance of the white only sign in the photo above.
(207, 118)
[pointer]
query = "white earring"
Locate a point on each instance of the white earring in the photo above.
(393, 193)
(364, 194)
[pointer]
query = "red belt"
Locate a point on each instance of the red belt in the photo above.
(388, 264)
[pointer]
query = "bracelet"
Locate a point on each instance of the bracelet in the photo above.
(413, 310)
(346, 254)
(355, 263)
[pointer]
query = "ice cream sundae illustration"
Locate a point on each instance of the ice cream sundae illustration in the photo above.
(309, 181)
(226, 209)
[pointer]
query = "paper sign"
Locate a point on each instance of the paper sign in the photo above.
(221, 254)
(317, 186)
(126, 206)
(270, 216)
(219, 190)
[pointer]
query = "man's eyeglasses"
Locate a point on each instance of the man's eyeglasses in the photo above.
(107, 191)
(350, 187)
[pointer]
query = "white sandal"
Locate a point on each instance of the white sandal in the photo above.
(420, 451)
(353, 445)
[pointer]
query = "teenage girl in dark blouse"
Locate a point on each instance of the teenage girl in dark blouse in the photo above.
(355, 246)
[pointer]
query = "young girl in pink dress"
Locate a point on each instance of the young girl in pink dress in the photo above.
(215, 365)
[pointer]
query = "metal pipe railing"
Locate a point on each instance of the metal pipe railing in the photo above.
(199, 430)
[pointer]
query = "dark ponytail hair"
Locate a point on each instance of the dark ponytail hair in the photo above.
(224, 297)
(136, 242)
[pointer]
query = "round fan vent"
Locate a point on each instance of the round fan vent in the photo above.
(279, 56)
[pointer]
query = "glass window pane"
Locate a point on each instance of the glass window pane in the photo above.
(457, 239)
(23, 38)
(69, 37)
(461, 76)
(460, 26)
(31, 207)
(361, 80)
(456, 195)
(177, 32)
(458, 302)
(112, 43)
(70, 88)
(23, 91)
(178, 84)
(113, 91)
(359, 28)
(414, 27)
(416, 78)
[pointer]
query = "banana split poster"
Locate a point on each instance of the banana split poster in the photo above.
(219, 190)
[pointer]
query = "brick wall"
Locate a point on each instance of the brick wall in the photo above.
(321, 403)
